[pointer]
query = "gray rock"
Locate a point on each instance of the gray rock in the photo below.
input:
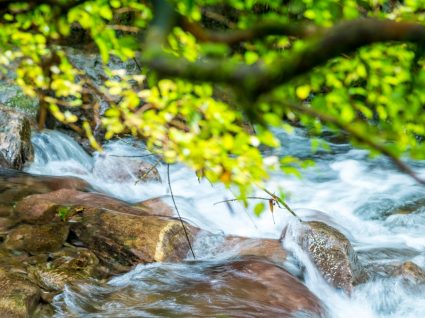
(15, 139)
(331, 252)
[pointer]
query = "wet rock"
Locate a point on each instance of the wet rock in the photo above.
(15, 139)
(42, 208)
(122, 240)
(18, 296)
(265, 282)
(331, 252)
(263, 248)
(37, 211)
(36, 239)
(67, 266)
(409, 271)
(119, 169)
(156, 206)
(383, 207)
(15, 185)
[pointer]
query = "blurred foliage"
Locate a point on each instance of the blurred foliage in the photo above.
(378, 91)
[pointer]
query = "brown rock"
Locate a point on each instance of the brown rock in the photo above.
(42, 208)
(263, 248)
(124, 240)
(15, 139)
(156, 206)
(410, 272)
(18, 296)
(15, 185)
(332, 254)
(36, 239)
(67, 266)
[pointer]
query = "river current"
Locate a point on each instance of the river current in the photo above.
(379, 209)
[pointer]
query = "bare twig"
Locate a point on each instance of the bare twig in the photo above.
(178, 213)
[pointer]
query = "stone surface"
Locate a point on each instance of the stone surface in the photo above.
(41, 208)
(67, 266)
(410, 272)
(15, 139)
(36, 239)
(331, 252)
(18, 296)
(263, 248)
(156, 206)
(122, 240)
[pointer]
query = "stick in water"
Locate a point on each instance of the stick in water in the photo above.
(178, 213)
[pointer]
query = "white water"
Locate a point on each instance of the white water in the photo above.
(353, 191)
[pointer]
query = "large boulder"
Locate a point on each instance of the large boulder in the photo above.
(330, 251)
(122, 240)
(18, 296)
(15, 139)
(247, 287)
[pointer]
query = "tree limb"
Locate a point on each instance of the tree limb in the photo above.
(355, 134)
(258, 78)
(259, 30)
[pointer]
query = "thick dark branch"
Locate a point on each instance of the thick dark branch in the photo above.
(358, 136)
(258, 78)
(259, 30)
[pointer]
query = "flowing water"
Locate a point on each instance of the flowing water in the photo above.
(380, 210)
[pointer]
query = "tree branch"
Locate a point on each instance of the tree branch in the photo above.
(258, 78)
(259, 30)
(355, 134)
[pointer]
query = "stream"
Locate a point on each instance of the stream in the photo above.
(380, 210)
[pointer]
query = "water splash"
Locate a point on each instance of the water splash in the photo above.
(364, 198)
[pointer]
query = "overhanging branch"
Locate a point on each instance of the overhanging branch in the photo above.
(259, 30)
(258, 79)
(356, 135)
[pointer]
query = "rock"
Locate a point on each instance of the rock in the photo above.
(270, 285)
(18, 296)
(68, 265)
(122, 240)
(411, 272)
(15, 139)
(331, 252)
(36, 239)
(121, 169)
(15, 185)
(13, 98)
(156, 206)
(263, 248)
(42, 208)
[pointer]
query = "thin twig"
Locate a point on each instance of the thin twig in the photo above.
(149, 171)
(140, 156)
(235, 199)
(277, 199)
(178, 213)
